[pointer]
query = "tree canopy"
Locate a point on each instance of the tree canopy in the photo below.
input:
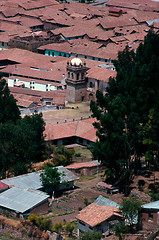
(128, 125)
(130, 208)
(21, 139)
(9, 110)
(51, 178)
(88, 235)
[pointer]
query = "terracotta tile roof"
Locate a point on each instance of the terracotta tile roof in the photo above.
(84, 47)
(27, 58)
(37, 4)
(136, 37)
(57, 131)
(27, 21)
(10, 11)
(59, 96)
(26, 98)
(82, 165)
(155, 25)
(135, 4)
(86, 130)
(25, 71)
(122, 4)
(83, 129)
(140, 16)
(95, 214)
(131, 29)
(111, 22)
(100, 73)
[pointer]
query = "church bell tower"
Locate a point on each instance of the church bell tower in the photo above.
(76, 80)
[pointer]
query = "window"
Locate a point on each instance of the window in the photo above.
(72, 76)
(68, 74)
(82, 75)
(77, 76)
(91, 85)
(150, 216)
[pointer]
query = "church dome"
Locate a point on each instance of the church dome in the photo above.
(76, 61)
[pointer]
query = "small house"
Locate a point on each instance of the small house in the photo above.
(22, 202)
(150, 213)
(98, 218)
(85, 168)
(32, 180)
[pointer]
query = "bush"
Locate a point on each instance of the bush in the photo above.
(77, 155)
(40, 222)
(48, 164)
(63, 156)
(91, 235)
(120, 229)
(33, 218)
(69, 227)
(85, 201)
(57, 227)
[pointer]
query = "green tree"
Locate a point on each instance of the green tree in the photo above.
(63, 156)
(51, 178)
(130, 208)
(87, 235)
(21, 139)
(37, 125)
(123, 112)
(121, 229)
(8, 110)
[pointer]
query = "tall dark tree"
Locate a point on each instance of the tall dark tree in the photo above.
(130, 96)
(21, 139)
(8, 108)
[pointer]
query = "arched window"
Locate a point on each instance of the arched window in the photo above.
(72, 76)
(77, 76)
(90, 84)
(82, 75)
(68, 74)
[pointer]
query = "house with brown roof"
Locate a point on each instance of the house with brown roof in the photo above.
(98, 218)
(85, 168)
(80, 131)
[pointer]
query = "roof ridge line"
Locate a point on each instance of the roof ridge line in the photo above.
(76, 128)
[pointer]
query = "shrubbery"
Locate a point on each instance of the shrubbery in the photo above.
(45, 224)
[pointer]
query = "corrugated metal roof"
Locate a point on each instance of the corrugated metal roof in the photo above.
(102, 201)
(151, 205)
(68, 175)
(25, 181)
(21, 200)
(32, 180)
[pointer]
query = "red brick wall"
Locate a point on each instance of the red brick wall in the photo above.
(149, 217)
